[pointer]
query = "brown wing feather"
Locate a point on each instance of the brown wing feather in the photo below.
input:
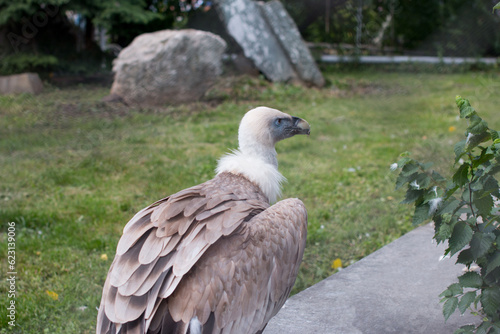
(164, 241)
(245, 278)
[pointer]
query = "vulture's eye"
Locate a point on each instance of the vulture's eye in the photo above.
(277, 122)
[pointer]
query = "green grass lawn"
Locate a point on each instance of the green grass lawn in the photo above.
(74, 170)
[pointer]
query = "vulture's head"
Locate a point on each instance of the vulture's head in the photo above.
(261, 128)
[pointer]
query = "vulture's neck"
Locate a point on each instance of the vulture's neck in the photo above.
(259, 165)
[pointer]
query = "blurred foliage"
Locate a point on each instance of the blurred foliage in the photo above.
(28, 26)
(416, 20)
(451, 27)
(27, 62)
(455, 27)
(440, 28)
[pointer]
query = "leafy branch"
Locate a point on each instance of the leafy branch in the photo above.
(465, 215)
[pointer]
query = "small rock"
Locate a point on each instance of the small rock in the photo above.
(21, 83)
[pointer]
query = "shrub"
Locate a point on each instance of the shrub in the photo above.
(24, 62)
(465, 214)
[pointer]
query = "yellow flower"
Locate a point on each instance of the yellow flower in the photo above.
(451, 128)
(52, 294)
(337, 264)
(104, 257)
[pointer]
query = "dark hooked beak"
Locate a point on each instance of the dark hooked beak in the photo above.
(300, 126)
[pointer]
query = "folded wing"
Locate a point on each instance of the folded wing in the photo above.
(163, 242)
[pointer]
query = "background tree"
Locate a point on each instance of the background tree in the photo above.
(445, 27)
(60, 33)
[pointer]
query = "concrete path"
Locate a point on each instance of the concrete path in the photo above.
(394, 290)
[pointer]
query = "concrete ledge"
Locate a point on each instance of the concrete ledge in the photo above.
(394, 290)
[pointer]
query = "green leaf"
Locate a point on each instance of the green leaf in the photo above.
(489, 183)
(449, 307)
(437, 177)
(492, 279)
(465, 257)
(497, 6)
(489, 226)
(451, 188)
(480, 243)
(456, 289)
(471, 279)
(403, 179)
(494, 135)
(477, 125)
(403, 161)
(410, 168)
(449, 206)
(459, 101)
(461, 236)
(466, 300)
(483, 158)
(443, 233)
(459, 150)
(466, 110)
(466, 197)
(495, 328)
(461, 176)
(453, 290)
(413, 195)
(477, 139)
(421, 214)
(467, 329)
(483, 204)
(483, 328)
(493, 262)
(490, 300)
(423, 180)
(492, 169)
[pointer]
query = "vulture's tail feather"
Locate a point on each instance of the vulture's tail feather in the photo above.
(133, 327)
(208, 327)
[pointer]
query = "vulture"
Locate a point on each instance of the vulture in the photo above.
(216, 257)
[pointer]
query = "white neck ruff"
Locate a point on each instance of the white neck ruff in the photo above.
(258, 171)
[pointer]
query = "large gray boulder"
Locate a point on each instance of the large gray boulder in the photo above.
(288, 34)
(246, 24)
(168, 67)
(269, 37)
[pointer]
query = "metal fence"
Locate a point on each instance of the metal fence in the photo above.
(387, 27)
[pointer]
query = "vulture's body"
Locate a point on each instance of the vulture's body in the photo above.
(214, 258)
